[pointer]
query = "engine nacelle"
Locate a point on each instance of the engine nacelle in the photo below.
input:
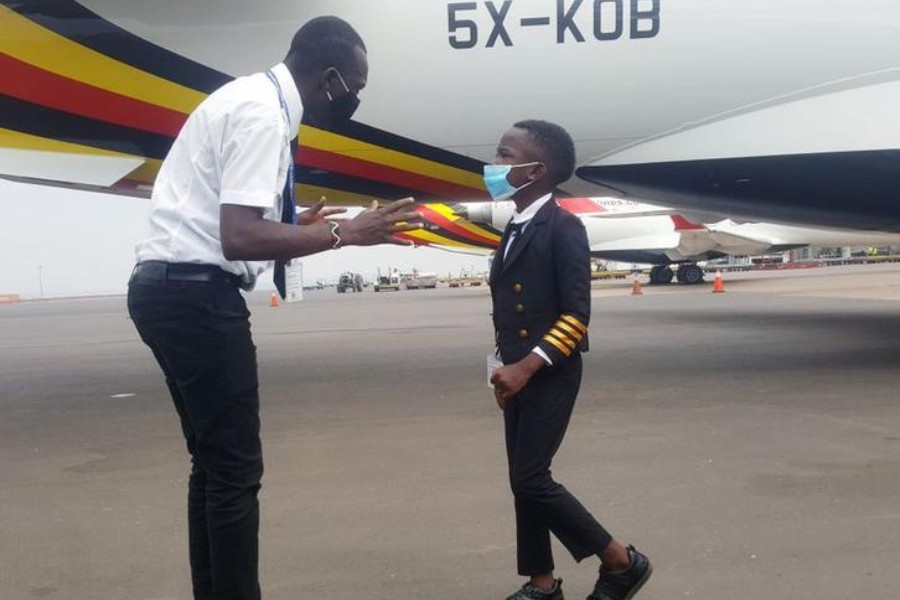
(495, 214)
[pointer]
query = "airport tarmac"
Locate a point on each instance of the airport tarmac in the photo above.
(748, 442)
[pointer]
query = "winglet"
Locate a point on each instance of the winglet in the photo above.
(683, 224)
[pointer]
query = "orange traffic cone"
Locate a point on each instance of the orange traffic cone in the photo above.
(273, 301)
(636, 288)
(718, 286)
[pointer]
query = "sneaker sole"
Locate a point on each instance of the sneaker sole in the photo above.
(637, 587)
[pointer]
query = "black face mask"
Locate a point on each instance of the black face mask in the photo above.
(343, 107)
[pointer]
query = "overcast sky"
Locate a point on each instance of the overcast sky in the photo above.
(78, 243)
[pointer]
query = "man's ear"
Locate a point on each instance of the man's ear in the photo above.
(332, 80)
(325, 78)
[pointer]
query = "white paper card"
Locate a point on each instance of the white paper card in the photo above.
(493, 363)
(293, 281)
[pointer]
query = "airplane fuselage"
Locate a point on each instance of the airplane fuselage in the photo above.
(455, 75)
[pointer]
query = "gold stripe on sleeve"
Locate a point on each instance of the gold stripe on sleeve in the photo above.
(573, 333)
(562, 338)
(575, 323)
(560, 347)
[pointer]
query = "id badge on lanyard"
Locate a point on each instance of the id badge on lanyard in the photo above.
(293, 269)
(290, 174)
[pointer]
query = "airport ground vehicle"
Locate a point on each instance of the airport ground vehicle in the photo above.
(388, 283)
(421, 281)
(350, 282)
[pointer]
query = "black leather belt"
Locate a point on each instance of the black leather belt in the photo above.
(157, 271)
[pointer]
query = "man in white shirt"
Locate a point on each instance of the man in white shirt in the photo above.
(222, 208)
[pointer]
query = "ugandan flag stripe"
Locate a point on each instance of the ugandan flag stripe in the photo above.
(434, 217)
(146, 173)
(423, 237)
(29, 83)
(310, 157)
(73, 21)
(26, 117)
(310, 194)
(392, 159)
(392, 141)
(355, 185)
(366, 152)
(479, 230)
(438, 235)
(30, 43)
(23, 141)
(98, 87)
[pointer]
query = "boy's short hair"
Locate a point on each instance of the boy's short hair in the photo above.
(555, 145)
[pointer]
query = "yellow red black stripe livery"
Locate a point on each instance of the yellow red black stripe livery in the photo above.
(84, 85)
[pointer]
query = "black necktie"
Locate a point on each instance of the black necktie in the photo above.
(515, 230)
(288, 212)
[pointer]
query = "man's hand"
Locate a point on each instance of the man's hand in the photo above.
(317, 212)
(509, 380)
(378, 224)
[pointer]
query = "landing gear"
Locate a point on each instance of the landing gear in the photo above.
(690, 274)
(661, 274)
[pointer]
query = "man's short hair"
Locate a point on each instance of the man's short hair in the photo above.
(555, 145)
(324, 42)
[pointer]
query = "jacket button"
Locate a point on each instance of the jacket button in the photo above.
(523, 333)
(517, 288)
(520, 308)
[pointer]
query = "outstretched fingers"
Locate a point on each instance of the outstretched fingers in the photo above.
(398, 205)
(411, 217)
(401, 227)
(397, 241)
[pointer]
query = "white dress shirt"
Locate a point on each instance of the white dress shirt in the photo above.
(523, 218)
(233, 149)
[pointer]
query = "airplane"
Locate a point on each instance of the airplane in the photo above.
(777, 110)
(634, 232)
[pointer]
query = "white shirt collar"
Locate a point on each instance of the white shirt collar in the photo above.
(531, 210)
(291, 96)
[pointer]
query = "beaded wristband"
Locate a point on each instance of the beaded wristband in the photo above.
(335, 235)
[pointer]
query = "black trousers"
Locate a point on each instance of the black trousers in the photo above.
(199, 333)
(536, 421)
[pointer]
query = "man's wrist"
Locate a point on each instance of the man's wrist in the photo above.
(336, 240)
(348, 237)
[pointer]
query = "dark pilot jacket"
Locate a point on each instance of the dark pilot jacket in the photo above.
(541, 292)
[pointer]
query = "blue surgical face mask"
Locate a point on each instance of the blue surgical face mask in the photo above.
(498, 186)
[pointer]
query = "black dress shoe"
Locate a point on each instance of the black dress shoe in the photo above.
(529, 592)
(623, 585)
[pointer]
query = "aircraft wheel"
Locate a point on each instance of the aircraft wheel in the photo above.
(690, 274)
(661, 275)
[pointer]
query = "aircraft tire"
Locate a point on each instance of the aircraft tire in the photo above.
(661, 275)
(690, 274)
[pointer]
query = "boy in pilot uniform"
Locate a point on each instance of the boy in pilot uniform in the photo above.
(540, 287)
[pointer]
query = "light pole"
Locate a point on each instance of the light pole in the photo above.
(41, 278)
